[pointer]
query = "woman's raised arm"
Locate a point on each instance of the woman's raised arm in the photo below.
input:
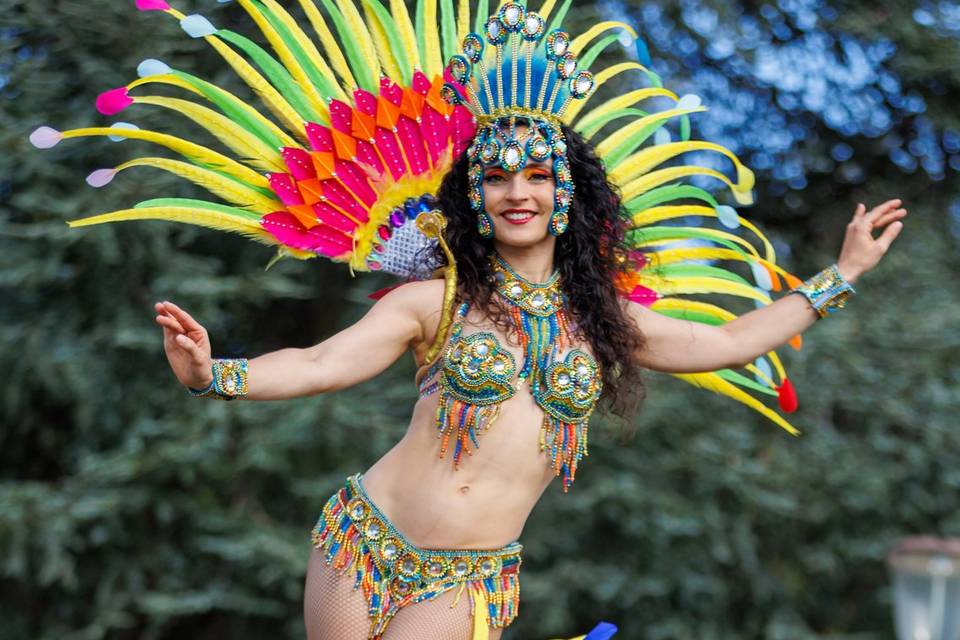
(680, 346)
(401, 320)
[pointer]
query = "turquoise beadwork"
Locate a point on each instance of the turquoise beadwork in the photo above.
(570, 387)
(477, 370)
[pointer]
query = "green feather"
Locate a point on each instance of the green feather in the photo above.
(654, 234)
(448, 29)
(687, 270)
(393, 36)
(275, 72)
(744, 381)
(483, 14)
(557, 21)
(197, 204)
(321, 82)
(668, 193)
(361, 70)
(589, 127)
(587, 59)
(421, 34)
(691, 315)
(228, 104)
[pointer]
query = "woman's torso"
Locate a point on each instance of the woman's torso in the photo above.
(484, 503)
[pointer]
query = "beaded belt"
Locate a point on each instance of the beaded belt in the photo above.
(358, 538)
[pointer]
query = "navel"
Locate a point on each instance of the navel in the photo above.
(465, 489)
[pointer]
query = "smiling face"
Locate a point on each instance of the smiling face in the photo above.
(520, 202)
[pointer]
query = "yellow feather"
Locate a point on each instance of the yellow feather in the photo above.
(434, 57)
(330, 45)
(287, 58)
(590, 34)
(658, 214)
(230, 190)
(545, 9)
(307, 45)
(463, 20)
(250, 148)
(405, 28)
(713, 382)
(662, 176)
(752, 368)
(621, 102)
(599, 80)
(673, 256)
(275, 102)
(189, 215)
(680, 304)
(645, 159)
(249, 111)
(359, 31)
(189, 150)
(684, 285)
(389, 62)
(636, 126)
(659, 246)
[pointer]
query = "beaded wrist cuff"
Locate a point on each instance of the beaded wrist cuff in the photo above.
(229, 380)
(827, 291)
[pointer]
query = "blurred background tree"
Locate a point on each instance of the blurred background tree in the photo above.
(129, 510)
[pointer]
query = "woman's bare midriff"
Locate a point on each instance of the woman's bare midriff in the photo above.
(483, 504)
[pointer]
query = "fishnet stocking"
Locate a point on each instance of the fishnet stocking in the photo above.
(333, 610)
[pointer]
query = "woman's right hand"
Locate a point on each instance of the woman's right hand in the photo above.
(187, 346)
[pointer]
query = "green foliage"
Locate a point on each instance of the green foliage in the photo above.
(129, 510)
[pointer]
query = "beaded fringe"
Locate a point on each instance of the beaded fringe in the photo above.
(463, 421)
(565, 444)
(494, 601)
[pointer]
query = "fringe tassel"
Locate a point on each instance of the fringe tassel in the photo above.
(465, 422)
(565, 444)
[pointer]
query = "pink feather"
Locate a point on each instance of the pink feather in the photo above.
(299, 163)
(113, 101)
(355, 180)
(152, 5)
(285, 187)
(390, 148)
(409, 134)
(643, 295)
(319, 136)
(333, 218)
(320, 239)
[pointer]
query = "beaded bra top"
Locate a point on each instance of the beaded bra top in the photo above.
(476, 374)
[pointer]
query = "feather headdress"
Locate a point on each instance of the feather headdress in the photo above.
(355, 136)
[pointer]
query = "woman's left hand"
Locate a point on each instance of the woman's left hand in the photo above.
(861, 251)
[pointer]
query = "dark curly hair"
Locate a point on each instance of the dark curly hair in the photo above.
(589, 256)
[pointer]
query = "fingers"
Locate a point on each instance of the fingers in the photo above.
(170, 323)
(889, 235)
(889, 217)
(190, 347)
(185, 319)
(882, 209)
(859, 211)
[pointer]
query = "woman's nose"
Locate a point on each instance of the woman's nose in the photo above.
(517, 190)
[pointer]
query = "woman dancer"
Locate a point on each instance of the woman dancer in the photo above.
(557, 290)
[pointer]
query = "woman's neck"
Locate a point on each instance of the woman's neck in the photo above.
(533, 264)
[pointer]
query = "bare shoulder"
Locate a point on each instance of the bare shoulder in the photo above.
(422, 300)
(425, 297)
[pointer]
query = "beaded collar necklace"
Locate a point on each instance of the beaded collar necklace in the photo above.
(538, 314)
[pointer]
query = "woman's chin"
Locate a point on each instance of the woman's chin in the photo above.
(525, 235)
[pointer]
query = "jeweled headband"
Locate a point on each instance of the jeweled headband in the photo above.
(531, 85)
